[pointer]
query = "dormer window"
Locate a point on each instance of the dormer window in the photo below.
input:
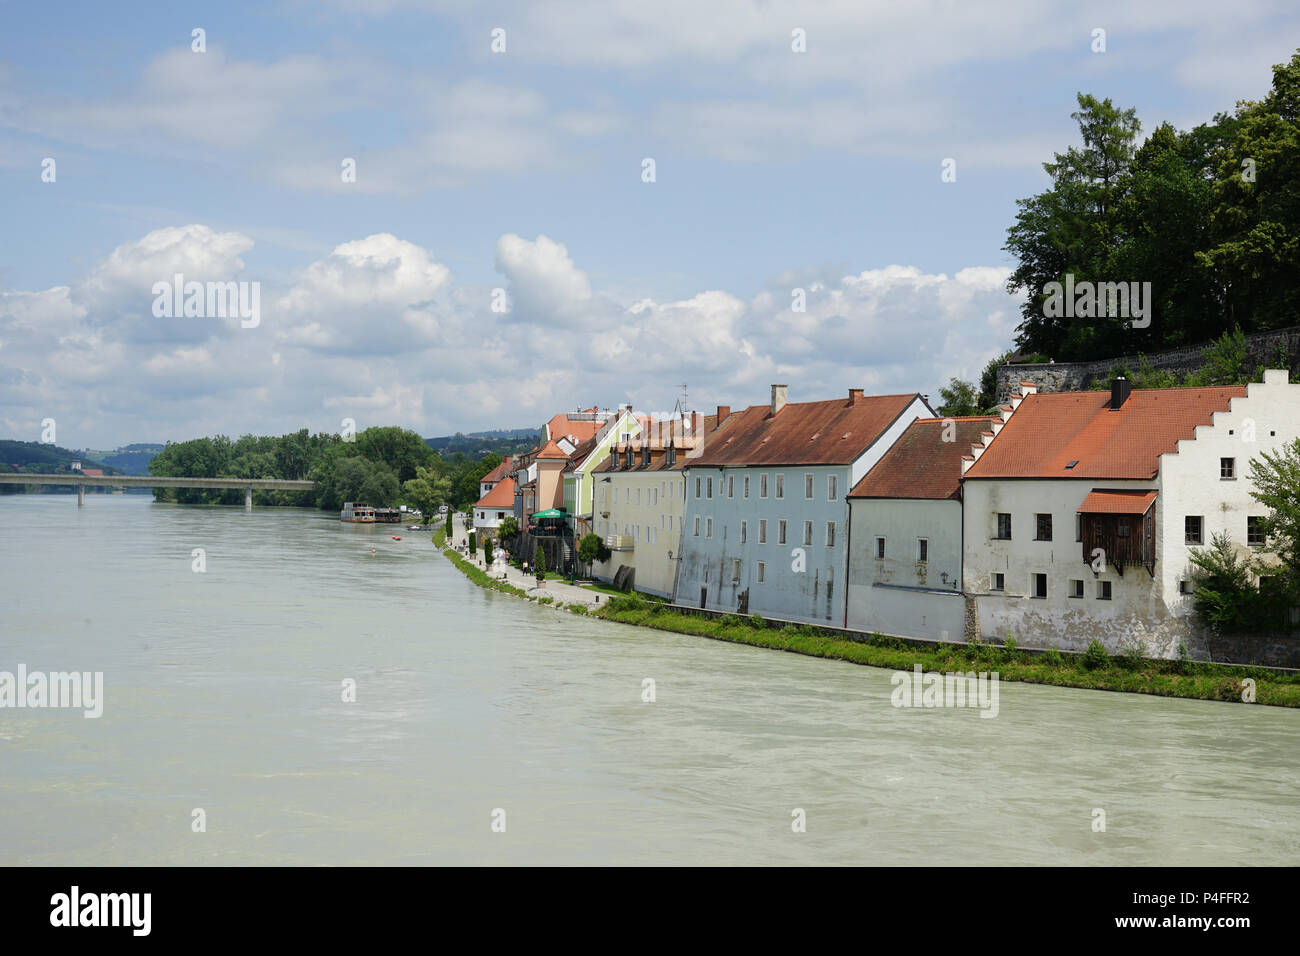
(1071, 464)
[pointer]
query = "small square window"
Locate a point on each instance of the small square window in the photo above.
(1192, 529)
(999, 582)
(1185, 587)
(1043, 527)
(1004, 526)
(1227, 468)
(1103, 590)
(1076, 587)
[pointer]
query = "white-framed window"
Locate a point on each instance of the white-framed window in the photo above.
(762, 571)
(999, 583)
(808, 486)
(832, 487)
(762, 486)
(807, 534)
(746, 482)
(1103, 590)
(1039, 582)
(638, 496)
(780, 485)
(744, 531)
(830, 534)
(1076, 587)
(762, 531)
(735, 570)
(708, 527)
(697, 526)
(731, 486)
(699, 483)
(709, 486)
(780, 531)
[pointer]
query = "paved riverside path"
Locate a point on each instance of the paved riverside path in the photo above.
(562, 591)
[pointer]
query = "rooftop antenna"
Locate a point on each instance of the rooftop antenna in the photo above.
(681, 405)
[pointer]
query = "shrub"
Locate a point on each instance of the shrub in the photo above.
(1053, 658)
(1095, 656)
(757, 620)
(473, 543)
(625, 603)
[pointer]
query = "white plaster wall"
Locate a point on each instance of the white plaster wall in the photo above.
(660, 512)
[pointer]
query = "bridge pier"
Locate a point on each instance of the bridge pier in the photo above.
(248, 498)
(81, 496)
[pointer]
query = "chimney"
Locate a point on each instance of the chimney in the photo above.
(723, 412)
(1120, 390)
(855, 396)
(778, 398)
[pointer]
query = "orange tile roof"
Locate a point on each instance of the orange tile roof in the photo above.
(921, 464)
(1047, 432)
(497, 473)
(1117, 502)
(551, 451)
(560, 426)
(502, 495)
(832, 432)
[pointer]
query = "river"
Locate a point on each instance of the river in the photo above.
(223, 693)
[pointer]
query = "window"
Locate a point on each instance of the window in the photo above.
(1078, 527)
(1185, 587)
(636, 533)
(1043, 528)
(735, 570)
(1192, 529)
(708, 527)
(627, 496)
(762, 571)
(780, 532)
(762, 531)
(832, 487)
(1103, 590)
(1227, 468)
(731, 486)
(744, 531)
(1040, 585)
(698, 485)
(638, 496)
(762, 486)
(808, 486)
(880, 549)
(830, 534)
(922, 550)
(999, 583)
(708, 485)
(500, 515)
(1122, 527)
(1255, 531)
(780, 486)
(807, 534)
(747, 486)
(697, 526)
(1004, 526)
(1076, 587)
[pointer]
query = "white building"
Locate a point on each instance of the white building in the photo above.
(905, 533)
(1081, 510)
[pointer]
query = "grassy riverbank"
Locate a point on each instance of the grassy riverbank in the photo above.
(1095, 671)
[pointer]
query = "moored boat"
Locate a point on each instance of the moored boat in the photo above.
(358, 512)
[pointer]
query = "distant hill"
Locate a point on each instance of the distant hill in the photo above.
(503, 441)
(131, 459)
(33, 456)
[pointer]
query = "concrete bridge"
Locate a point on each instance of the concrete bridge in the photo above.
(150, 481)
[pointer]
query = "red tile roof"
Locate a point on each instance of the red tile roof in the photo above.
(921, 464)
(501, 496)
(833, 432)
(1047, 432)
(1117, 502)
(94, 472)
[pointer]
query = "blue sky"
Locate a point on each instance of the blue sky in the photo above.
(521, 170)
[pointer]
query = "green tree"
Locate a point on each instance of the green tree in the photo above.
(592, 549)
(473, 543)
(507, 531)
(1276, 477)
(427, 490)
(1074, 228)
(959, 399)
(539, 567)
(1224, 597)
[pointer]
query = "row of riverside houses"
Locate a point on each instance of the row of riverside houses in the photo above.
(1065, 517)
